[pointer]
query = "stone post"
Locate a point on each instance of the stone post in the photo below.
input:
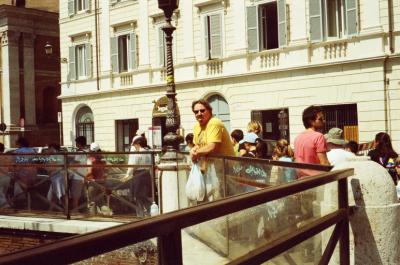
(374, 214)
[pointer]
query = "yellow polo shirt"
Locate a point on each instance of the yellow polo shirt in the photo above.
(214, 132)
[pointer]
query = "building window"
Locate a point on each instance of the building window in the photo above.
(76, 6)
(162, 52)
(332, 19)
(221, 110)
(123, 53)
(213, 36)
(80, 61)
(85, 124)
(342, 116)
(266, 26)
(125, 130)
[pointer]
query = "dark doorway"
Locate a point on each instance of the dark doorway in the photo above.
(275, 123)
(125, 131)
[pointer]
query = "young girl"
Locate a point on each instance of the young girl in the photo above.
(283, 152)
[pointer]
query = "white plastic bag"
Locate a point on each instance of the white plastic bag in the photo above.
(195, 188)
(212, 182)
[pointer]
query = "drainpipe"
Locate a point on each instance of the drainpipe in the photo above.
(390, 15)
(96, 18)
(386, 82)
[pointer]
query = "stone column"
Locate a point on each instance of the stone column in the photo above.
(10, 79)
(374, 214)
(29, 79)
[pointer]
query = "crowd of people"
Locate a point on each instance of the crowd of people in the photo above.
(209, 136)
(310, 147)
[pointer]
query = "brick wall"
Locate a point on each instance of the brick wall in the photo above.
(14, 240)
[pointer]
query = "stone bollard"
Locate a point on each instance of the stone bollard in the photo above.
(172, 182)
(374, 214)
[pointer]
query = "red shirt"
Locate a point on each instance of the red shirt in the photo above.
(306, 146)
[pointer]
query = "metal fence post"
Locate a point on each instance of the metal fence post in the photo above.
(344, 238)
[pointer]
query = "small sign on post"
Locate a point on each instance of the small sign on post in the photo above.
(59, 117)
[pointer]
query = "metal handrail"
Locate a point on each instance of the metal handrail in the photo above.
(167, 227)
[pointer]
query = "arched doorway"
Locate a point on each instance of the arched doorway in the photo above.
(85, 124)
(220, 110)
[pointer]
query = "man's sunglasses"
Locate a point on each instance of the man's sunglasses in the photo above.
(200, 110)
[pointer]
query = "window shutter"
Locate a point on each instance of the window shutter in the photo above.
(132, 50)
(88, 51)
(161, 48)
(206, 37)
(71, 61)
(282, 23)
(351, 17)
(71, 7)
(114, 54)
(88, 5)
(216, 35)
(252, 29)
(316, 31)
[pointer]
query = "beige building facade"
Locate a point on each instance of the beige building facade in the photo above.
(264, 60)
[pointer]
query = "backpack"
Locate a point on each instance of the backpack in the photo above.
(391, 164)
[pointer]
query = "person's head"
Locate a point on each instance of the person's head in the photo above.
(22, 142)
(313, 117)
(250, 140)
(94, 147)
(261, 149)
(236, 136)
(189, 140)
(202, 111)
(383, 144)
(2, 148)
(282, 148)
(53, 148)
(138, 142)
(351, 146)
(80, 142)
(255, 127)
(334, 138)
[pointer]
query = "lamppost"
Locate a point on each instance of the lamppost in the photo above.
(173, 118)
(172, 175)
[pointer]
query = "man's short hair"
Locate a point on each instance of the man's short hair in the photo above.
(81, 140)
(310, 114)
(352, 146)
(203, 102)
(237, 135)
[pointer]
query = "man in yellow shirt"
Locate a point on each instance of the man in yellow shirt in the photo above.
(210, 134)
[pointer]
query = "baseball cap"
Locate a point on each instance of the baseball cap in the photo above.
(250, 138)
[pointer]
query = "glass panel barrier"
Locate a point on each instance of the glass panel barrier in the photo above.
(112, 184)
(145, 252)
(84, 185)
(238, 233)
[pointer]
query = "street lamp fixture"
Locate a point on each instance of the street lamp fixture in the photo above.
(48, 49)
(172, 123)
